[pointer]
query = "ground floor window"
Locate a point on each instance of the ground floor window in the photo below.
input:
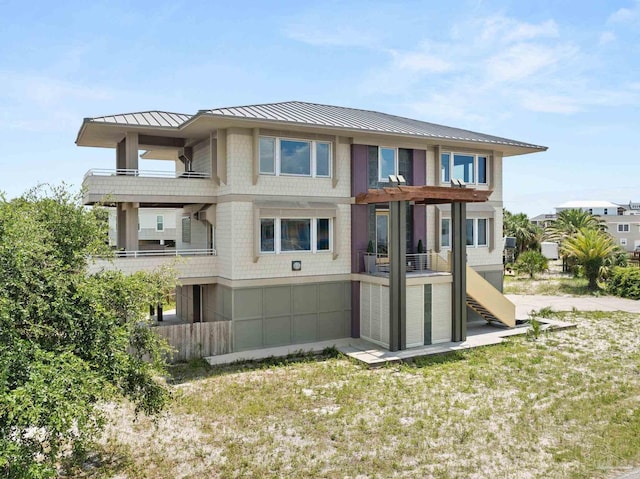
(287, 235)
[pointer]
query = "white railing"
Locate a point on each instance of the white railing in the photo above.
(165, 253)
(146, 173)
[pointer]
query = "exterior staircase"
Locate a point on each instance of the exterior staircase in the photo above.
(487, 301)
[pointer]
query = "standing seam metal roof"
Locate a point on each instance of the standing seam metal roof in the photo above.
(314, 114)
(352, 118)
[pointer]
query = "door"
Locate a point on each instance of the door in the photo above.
(197, 303)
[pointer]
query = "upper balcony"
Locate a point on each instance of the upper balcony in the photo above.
(159, 188)
(189, 264)
(416, 264)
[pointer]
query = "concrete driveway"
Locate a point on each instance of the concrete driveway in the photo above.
(525, 303)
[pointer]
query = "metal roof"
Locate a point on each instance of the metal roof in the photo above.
(354, 119)
(145, 118)
(587, 204)
(313, 114)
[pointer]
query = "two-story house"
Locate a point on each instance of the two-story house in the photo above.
(279, 203)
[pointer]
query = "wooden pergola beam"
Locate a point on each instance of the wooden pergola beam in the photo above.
(431, 195)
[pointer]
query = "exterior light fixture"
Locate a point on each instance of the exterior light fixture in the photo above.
(296, 265)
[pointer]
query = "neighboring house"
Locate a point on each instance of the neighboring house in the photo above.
(156, 228)
(621, 220)
(543, 220)
(278, 203)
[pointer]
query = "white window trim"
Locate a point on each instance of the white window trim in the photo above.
(475, 233)
(395, 161)
(623, 241)
(313, 154)
(621, 227)
(157, 229)
(277, 240)
(452, 154)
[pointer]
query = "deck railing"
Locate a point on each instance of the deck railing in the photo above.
(145, 173)
(429, 262)
(159, 253)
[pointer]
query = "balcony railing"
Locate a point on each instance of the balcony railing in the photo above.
(416, 263)
(145, 173)
(165, 253)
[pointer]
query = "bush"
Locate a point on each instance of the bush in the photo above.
(531, 262)
(624, 282)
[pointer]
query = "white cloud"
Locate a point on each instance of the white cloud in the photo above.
(511, 30)
(419, 62)
(344, 36)
(626, 15)
(607, 37)
(549, 103)
(523, 60)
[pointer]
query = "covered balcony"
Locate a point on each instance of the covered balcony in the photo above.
(190, 264)
(158, 188)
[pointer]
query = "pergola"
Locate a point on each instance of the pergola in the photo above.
(397, 195)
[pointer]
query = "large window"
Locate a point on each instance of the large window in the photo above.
(477, 232)
(387, 163)
(282, 156)
(288, 235)
(463, 166)
(623, 228)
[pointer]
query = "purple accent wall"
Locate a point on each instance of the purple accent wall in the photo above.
(359, 236)
(355, 309)
(359, 169)
(419, 167)
(419, 211)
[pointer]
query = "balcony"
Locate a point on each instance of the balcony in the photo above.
(417, 264)
(158, 188)
(188, 263)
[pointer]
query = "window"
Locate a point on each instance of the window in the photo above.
(477, 234)
(606, 211)
(387, 163)
(623, 228)
(288, 235)
(463, 166)
(445, 233)
(186, 229)
(159, 223)
(623, 241)
(281, 156)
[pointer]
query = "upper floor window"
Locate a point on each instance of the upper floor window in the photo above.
(623, 228)
(287, 235)
(467, 167)
(282, 156)
(159, 223)
(186, 229)
(387, 163)
(477, 232)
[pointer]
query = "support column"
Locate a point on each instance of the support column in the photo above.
(397, 275)
(121, 226)
(131, 231)
(458, 270)
(131, 151)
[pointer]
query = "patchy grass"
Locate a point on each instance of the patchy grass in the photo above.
(551, 285)
(566, 405)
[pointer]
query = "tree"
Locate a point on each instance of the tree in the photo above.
(568, 222)
(68, 340)
(590, 248)
(531, 262)
(527, 234)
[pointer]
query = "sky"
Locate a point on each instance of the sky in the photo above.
(563, 74)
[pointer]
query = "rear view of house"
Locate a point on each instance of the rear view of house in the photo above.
(301, 222)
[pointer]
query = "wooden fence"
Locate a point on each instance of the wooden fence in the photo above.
(197, 340)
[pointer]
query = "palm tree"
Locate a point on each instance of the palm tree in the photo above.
(568, 222)
(527, 234)
(590, 248)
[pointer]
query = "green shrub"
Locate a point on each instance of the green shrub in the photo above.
(531, 262)
(624, 282)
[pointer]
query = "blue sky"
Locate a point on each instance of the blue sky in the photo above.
(564, 74)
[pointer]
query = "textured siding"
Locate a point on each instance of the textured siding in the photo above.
(441, 313)
(415, 316)
(202, 157)
(186, 266)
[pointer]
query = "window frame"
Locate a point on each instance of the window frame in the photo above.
(452, 154)
(474, 227)
(623, 241)
(313, 235)
(624, 227)
(313, 157)
(382, 179)
(161, 222)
